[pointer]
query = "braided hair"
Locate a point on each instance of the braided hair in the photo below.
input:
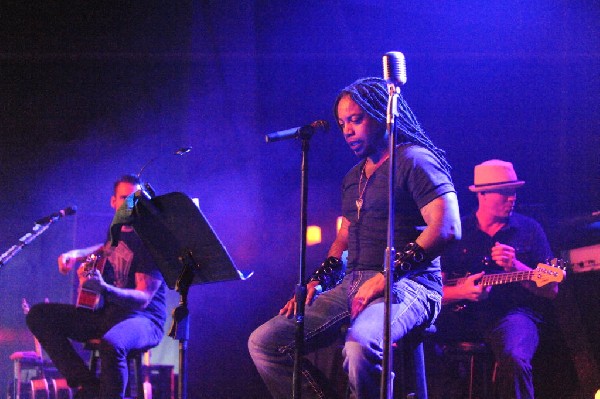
(371, 94)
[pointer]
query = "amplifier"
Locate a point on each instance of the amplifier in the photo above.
(584, 259)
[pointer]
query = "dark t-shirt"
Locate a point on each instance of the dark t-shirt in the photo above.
(128, 258)
(472, 255)
(420, 178)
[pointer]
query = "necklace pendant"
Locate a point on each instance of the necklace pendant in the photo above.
(359, 203)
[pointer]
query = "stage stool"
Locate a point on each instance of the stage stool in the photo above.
(411, 345)
(134, 362)
(476, 354)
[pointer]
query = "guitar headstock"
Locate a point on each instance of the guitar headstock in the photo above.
(25, 306)
(551, 272)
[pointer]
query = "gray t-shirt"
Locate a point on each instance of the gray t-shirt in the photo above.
(420, 178)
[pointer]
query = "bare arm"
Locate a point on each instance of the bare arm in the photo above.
(138, 298)
(443, 224)
(68, 260)
(466, 290)
(131, 298)
(340, 244)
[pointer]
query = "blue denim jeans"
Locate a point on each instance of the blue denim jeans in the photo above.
(514, 340)
(272, 344)
(55, 325)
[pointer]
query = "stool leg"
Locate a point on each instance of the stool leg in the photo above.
(420, 376)
(94, 360)
(17, 377)
(471, 371)
(139, 379)
(135, 383)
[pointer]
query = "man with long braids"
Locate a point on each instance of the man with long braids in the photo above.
(426, 220)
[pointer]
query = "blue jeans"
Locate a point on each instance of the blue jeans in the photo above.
(55, 325)
(272, 344)
(514, 340)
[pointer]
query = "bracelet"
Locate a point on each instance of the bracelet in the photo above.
(407, 259)
(329, 274)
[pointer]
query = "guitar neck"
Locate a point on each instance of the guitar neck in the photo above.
(497, 279)
(505, 278)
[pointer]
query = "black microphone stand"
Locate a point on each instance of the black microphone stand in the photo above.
(386, 391)
(300, 292)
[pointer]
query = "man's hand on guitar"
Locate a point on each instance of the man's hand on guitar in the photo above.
(91, 279)
(313, 289)
(472, 291)
(467, 289)
(66, 262)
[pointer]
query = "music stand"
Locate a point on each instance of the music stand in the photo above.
(187, 252)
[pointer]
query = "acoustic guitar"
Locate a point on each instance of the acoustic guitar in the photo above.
(88, 299)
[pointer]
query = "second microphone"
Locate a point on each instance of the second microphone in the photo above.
(298, 132)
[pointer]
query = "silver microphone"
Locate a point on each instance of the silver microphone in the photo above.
(394, 68)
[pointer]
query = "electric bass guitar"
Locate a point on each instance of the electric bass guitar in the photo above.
(86, 298)
(543, 274)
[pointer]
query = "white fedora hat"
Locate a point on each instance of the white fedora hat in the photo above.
(493, 175)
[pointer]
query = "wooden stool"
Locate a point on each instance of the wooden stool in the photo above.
(134, 363)
(475, 353)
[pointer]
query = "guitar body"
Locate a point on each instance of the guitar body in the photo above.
(88, 299)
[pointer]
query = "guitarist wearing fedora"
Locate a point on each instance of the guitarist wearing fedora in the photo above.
(507, 316)
(121, 302)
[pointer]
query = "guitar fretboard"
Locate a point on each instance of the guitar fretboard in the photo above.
(497, 279)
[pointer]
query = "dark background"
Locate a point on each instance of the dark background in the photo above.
(92, 90)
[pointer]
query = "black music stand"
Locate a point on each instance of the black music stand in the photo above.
(187, 252)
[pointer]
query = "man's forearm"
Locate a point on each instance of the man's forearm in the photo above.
(127, 297)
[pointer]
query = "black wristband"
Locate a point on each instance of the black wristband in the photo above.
(329, 274)
(408, 259)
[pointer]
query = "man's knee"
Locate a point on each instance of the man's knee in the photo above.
(260, 339)
(254, 342)
(357, 352)
(35, 318)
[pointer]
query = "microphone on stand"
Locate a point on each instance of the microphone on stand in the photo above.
(71, 210)
(394, 73)
(394, 68)
(148, 191)
(298, 132)
(180, 151)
